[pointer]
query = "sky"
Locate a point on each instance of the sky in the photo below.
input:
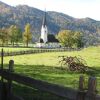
(74, 8)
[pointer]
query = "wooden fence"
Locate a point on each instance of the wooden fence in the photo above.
(66, 92)
(14, 53)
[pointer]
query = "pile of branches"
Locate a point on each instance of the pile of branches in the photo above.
(74, 63)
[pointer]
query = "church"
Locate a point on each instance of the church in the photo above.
(44, 30)
(45, 41)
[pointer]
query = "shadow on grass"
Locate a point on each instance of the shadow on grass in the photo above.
(93, 71)
(33, 94)
(42, 72)
(51, 74)
(54, 74)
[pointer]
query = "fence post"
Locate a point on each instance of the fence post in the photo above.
(91, 93)
(11, 66)
(3, 95)
(9, 89)
(3, 90)
(81, 93)
(2, 55)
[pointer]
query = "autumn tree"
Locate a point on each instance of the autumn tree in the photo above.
(78, 39)
(3, 36)
(14, 34)
(27, 35)
(70, 38)
(65, 38)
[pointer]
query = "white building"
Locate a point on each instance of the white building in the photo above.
(44, 41)
(44, 30)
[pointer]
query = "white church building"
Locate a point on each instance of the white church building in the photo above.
(43, 42)
(44, 30)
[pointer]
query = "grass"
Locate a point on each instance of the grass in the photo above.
(46, 67)
(91, 55)
(7, 49)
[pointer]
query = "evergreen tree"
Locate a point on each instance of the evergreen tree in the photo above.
(52, 38)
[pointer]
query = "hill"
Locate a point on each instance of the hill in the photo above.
(22, 14)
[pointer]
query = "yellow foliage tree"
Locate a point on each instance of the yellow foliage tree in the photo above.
(27, 35)
(65, 38)
(70, 38)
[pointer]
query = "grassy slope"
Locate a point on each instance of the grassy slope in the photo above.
(45, 66)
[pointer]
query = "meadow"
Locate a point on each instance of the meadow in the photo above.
(46, 67)
(11, 49)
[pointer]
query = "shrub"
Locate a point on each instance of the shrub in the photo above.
(76, 64)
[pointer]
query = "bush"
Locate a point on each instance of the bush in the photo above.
(76, 64)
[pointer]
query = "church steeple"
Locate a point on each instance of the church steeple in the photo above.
(44, 20)
(44, 30)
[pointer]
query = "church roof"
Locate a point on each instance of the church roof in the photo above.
(44, 20)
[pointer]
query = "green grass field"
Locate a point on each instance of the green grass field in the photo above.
(11, 49)
(46, 67)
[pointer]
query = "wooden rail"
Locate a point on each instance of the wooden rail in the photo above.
(40, 85)
(65, 92)
(14, 53)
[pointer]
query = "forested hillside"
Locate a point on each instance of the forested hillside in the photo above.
(23, 14)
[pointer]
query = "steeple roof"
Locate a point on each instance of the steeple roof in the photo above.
(44, 19)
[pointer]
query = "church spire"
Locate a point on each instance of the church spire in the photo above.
(44, 19)
(44, 30)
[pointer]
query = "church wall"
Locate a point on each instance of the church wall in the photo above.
(44, 34)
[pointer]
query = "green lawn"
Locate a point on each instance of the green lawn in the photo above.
(45, 66)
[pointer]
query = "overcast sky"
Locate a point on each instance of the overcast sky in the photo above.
(75, 8)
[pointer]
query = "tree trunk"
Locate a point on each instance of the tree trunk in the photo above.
(13, 44)
(27, 43)
(2, 43)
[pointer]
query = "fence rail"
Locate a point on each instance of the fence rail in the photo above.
(41, 85)
(66, 92)
(6, 92)
(14, 53)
